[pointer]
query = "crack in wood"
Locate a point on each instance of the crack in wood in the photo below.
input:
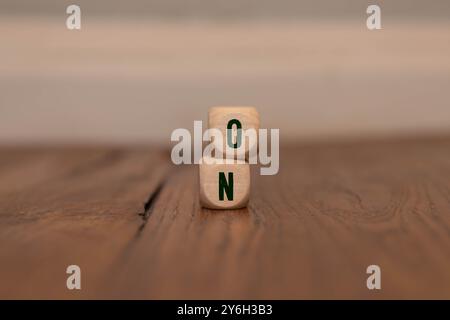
(151, 201)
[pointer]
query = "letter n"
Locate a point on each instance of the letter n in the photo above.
(226, 186)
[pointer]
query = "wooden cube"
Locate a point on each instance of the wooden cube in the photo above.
(234, 118)
(222, 185)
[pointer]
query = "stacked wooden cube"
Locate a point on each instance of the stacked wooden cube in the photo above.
(225, 179)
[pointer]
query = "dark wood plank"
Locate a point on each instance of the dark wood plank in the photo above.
(309, 232)
(83, 210)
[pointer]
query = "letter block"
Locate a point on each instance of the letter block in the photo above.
(223, 185)
(233, 123)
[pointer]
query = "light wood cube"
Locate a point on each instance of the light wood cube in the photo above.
(222, 185)
(234, 117)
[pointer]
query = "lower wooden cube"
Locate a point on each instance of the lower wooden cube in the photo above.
(224, 185)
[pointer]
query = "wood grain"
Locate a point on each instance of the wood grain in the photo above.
(81, 208)
(309, 232)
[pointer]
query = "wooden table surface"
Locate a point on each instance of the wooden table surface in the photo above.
(132, 221)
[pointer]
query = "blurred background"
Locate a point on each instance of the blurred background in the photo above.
(139, 69)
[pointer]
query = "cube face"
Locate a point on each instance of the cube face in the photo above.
(222, 185)
(234, 118)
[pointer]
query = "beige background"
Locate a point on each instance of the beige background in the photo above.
(314, 71)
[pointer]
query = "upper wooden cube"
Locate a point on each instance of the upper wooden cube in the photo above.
(233, 122)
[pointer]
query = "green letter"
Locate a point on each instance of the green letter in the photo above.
(223, 185)
(238, 136)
